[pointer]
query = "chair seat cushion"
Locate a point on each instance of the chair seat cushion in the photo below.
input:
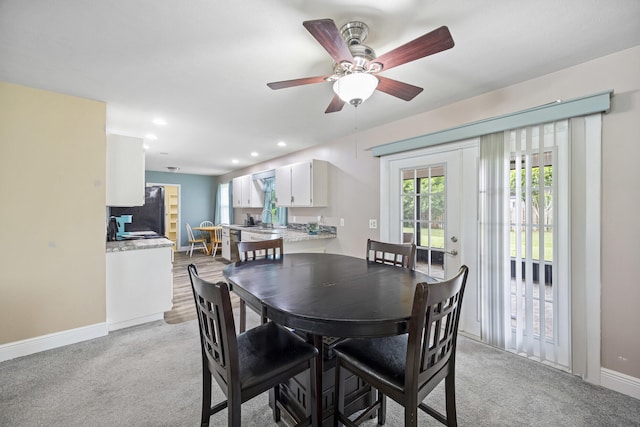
(269, 350)
(383, 358)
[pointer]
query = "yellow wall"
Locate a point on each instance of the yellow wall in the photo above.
(52, 212)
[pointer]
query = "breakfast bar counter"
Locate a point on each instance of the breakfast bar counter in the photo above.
(139, 281)
(137, 244)
(296, 238)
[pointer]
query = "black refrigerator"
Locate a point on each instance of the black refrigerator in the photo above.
(146, 218)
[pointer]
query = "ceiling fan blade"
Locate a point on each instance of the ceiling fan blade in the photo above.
(328, 35)
(398, 89)
(433, 42)
(297, 82)
(335, 105)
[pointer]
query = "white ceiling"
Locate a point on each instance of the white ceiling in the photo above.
(203, 65)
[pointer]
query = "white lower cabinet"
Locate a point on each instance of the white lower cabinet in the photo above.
(226, 244)
(139, 286)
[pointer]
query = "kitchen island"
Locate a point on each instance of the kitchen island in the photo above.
(139, 281)
(296, 239)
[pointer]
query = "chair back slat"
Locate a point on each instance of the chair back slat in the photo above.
(251, 250)
(401, 255)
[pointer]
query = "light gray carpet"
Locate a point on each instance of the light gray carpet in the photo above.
(150, 375)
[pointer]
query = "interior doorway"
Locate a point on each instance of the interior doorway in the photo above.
(171, 212)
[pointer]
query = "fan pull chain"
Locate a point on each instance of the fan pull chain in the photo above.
(355, 128)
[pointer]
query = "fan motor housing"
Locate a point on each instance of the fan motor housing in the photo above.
(354, 33)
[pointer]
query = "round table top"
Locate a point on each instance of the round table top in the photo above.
(329, 294)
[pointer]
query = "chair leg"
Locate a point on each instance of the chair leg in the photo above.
(316, 418)
(234, 410)
(276, 400)
(338, 399)
(206, 396)
(191, 250)
(450, 396)
(243, 316)
(382, 410)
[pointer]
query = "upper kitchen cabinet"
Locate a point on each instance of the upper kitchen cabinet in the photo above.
(302, 184)
(125, 171)
(247, 193)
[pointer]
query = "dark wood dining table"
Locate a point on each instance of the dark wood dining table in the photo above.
(328, 295)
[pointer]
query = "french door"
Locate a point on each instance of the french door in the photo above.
(429, 198)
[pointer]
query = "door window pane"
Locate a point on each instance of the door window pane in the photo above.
(423, 216)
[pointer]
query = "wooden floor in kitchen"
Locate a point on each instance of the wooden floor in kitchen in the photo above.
(209, 268)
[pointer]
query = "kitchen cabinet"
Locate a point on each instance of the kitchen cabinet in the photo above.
(125, 171)
(302, 184)
(247, 193)
(226, 244)
(139, 283)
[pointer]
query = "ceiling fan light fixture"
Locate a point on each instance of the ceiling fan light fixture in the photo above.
(355, 88)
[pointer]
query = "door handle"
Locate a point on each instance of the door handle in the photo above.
(452, 252)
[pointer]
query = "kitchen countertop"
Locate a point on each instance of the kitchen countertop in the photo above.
(137, 244)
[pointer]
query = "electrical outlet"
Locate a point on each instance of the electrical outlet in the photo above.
(373, 223)
(341, 222)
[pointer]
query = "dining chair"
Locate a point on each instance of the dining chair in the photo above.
(408, 367)
(195, 242)
(205, 234)
(249, 251)
(247, 364)
(402, 255)
(216, 241)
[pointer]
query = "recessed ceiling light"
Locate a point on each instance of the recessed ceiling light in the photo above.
(145, 146)
(150, 137)
(254, 154)
(282, 144)
(234, 161)
(159, 122)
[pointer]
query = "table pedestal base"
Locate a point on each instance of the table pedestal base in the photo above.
(294, 394)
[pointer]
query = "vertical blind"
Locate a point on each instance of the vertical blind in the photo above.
(519, 241)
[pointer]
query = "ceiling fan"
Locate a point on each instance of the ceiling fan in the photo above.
(356, 67)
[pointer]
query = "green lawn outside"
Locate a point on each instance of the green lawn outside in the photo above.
(437, 237)
(548, 245)
(437, 241)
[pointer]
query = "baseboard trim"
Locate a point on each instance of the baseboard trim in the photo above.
(620, 382)
(134, 322)
(49, 341)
